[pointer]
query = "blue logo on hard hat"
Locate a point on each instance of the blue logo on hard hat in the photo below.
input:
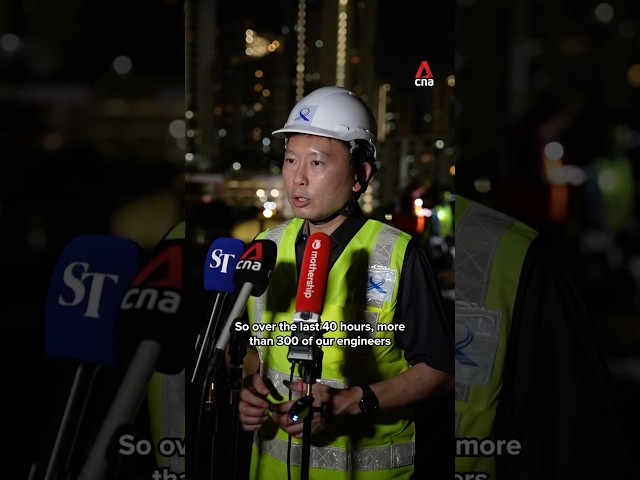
(305, 114)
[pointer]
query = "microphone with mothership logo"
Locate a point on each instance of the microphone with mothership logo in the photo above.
(304, 350)
(88, 282)
(310, 298)
(151, 326)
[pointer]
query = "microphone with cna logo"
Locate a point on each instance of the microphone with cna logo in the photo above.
(151, 324)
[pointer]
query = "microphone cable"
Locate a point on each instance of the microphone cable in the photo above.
(293, 366)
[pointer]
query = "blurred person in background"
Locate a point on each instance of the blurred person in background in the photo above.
(371, 392)
(530, 372)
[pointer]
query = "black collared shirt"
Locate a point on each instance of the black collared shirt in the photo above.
(428, 336)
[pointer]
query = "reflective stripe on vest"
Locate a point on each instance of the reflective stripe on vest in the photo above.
(374, 458)
(345, 443)
(490, 251)
(166, 404)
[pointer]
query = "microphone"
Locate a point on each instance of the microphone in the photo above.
(253, 272)
(219, 267)
(86, 287)
(303, 349)
(312, 285)
(151, 317)
(83, 300)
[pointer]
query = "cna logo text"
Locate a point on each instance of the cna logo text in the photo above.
(424, 77)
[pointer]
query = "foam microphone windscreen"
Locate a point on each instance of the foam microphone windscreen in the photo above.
(220, 264)
(152, 307)
(88, 283)
(314, 273)
(256, 265)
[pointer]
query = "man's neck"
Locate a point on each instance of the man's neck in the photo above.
(328, 228)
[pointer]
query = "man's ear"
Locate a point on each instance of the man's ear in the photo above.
(366, 166)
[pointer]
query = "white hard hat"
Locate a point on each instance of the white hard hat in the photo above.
(333, 112)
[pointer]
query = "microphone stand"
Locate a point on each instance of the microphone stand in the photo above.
(237, 352)
(312, 370)
(237, 349)
(310, 367)
(207, 424)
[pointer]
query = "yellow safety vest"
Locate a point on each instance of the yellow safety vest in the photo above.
(166, 404)
(361, 290)
(490, 251)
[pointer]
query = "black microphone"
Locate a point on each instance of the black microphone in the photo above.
(88, 282)
(252, 274)
(219, 267)
(151, 317)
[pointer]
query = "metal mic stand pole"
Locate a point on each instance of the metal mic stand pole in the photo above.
(237, 352)
(208, 421)
(312, 369)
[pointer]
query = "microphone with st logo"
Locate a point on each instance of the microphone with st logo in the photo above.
(252, 275)
(219, 267)
(83, 301)
(87, 285)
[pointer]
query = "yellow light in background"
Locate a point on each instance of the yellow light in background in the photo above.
(607, 180)
(452, 170)
(482, 185)
(633, 75)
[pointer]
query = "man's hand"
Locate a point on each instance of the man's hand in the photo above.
(253, 406)
(331, 401)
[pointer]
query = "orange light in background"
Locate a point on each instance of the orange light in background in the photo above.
(552, 156)
(633, 75)
(558, 203)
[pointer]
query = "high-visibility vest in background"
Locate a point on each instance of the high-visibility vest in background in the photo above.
(490, 252)
(362, 290)
(166, 405)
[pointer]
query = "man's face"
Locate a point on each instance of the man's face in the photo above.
(317, 176)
